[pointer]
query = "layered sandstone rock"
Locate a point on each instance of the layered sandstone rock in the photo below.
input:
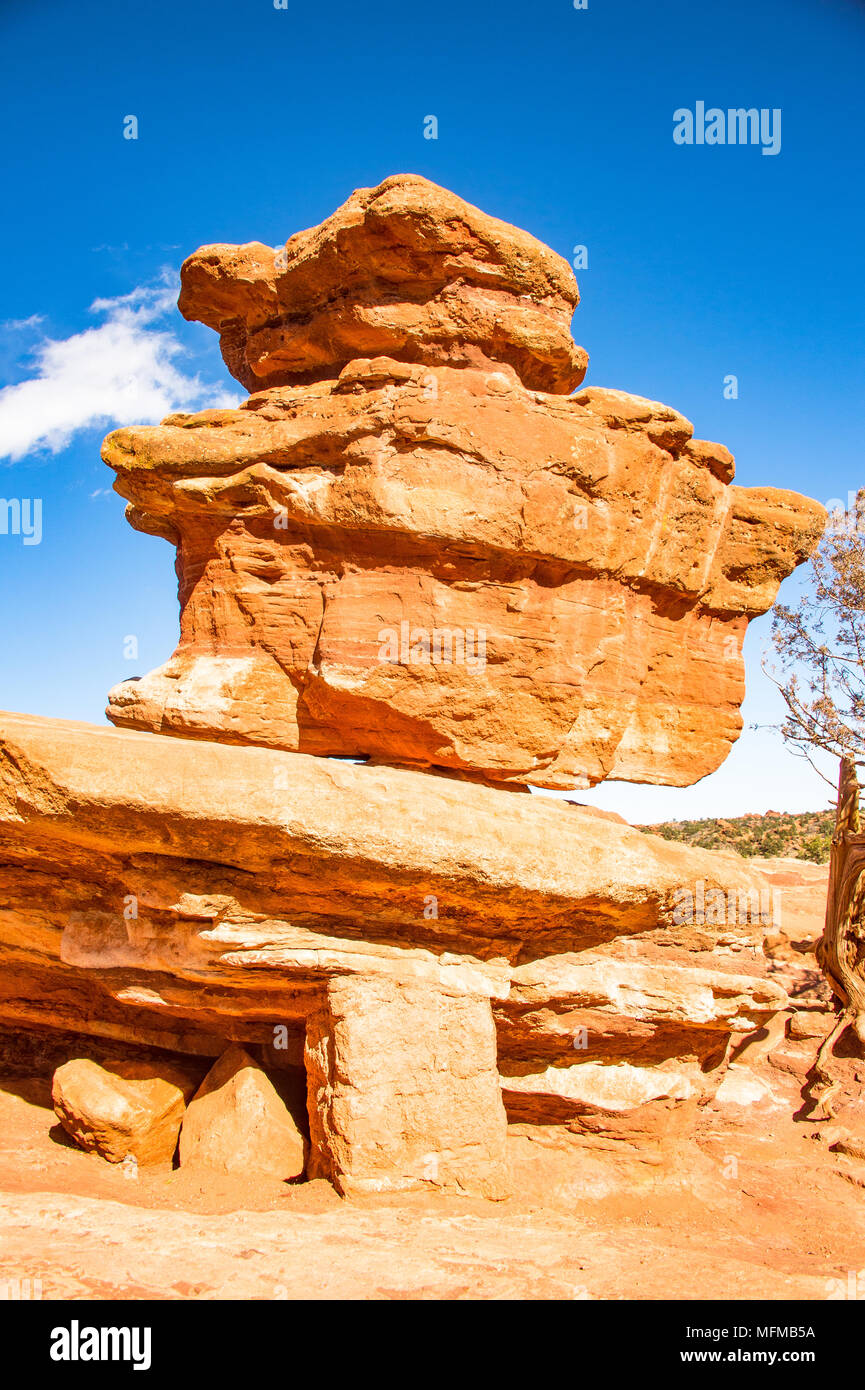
(406, 270)
(427, 941)
(651, 1021)
(411, 544)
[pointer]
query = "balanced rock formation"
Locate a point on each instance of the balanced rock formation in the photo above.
(440, 953)
(412, 544)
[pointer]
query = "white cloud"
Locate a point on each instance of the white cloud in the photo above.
(122, 372)
(22, 325)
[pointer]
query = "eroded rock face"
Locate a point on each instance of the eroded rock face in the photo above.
(432, 941)
(406, 270)
(651, 1022)
(410, 543)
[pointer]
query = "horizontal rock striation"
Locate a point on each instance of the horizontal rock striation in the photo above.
(187, 894)
(412, 545)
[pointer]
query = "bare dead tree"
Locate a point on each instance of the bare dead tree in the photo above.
(820, 644)
(841, 949)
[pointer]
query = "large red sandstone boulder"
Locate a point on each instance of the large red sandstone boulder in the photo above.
(406, 270)
(413, 545)
(122, 1109)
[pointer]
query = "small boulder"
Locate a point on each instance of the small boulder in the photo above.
(237, 1123)
(742, 1087)
(810, 1023)
(122, 1109)
(851, 1145)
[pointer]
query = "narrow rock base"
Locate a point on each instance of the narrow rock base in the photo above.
(423, 1105)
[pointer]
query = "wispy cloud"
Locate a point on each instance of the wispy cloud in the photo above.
(22, 325)
(122, 372)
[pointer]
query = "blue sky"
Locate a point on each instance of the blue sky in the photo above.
(255, 122)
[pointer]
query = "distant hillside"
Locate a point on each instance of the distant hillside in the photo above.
(775, 835)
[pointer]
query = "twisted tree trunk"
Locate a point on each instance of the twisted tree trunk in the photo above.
(841, 949)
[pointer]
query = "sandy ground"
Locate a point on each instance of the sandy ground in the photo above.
(582, 1225)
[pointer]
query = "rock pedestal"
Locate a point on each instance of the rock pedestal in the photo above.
(404, 1090)
(430, 939)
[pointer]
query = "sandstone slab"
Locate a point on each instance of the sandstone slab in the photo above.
(189, 894)
(237, 1123)
(620, 1102)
